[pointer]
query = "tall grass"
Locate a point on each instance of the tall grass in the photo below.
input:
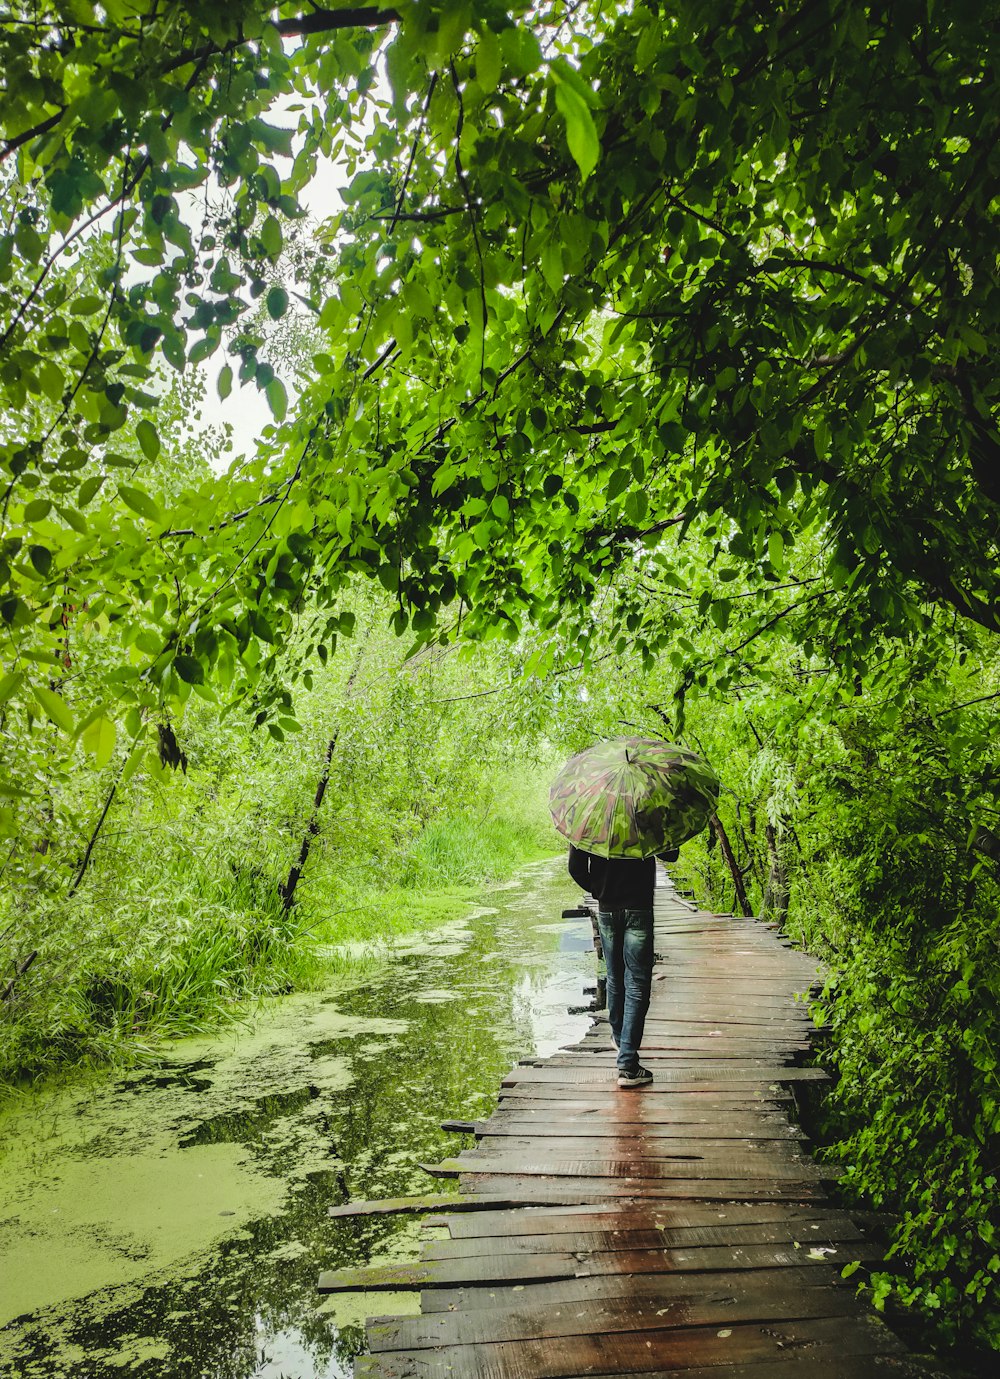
(177, 930)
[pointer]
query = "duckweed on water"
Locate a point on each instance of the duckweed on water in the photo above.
(172, 1223)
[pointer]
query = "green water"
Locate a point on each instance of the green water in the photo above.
(172, 1223)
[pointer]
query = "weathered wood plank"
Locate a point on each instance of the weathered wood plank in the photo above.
(719, 1126)
(700, 1305)
(555, 1292)
(667, 1351)
(535, 1189)
(555, 1264)
(849, 1367)
(547, 1220)
(813, 1235)
(582, 1076)
(652, 1138)
(731, 1168)
(635, 1140)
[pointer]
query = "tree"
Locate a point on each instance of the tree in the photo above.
(597, 274)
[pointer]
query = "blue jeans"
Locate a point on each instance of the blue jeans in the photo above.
(627, 940)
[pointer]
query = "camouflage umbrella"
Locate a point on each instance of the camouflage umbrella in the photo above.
(632, 797)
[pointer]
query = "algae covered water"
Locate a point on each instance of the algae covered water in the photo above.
(173, 1222)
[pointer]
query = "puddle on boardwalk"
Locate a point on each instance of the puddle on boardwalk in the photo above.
(172, 1223)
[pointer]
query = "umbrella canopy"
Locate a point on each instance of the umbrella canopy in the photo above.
(632, 797)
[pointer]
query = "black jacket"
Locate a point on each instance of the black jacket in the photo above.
(616, 883)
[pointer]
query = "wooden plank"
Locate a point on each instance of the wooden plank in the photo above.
(772, 1101)
(544, 1220)
(398, 1206)
(719, 1126)
(814, 1235)
(555, 1264)
(836, 1367)
(700, 1305)
(695, 1057)
(713, 1131)
(607, 1099)
(590, 1076)
(535, 1189)
(555, 1292)
(755, 1043)
(653, 1142)
(647, 1352)
(453, 1202)
(851, 1367)
(735, 1168)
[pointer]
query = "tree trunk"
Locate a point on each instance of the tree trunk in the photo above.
(287, 889)
(734, 871)
(775, 901)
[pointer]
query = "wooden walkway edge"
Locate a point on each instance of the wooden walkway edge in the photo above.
(681, 1229)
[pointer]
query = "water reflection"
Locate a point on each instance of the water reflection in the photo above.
(174, 1223)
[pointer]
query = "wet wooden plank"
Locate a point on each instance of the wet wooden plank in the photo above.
(454, 1202)
(715, 1131)
(719, 1126)
(694, 1059)
(534, 1188)
(494, 1267)
(814, 1235)
(633, 1140)
(659, 1287)
(699, 1305)
(582, 1076)
(790, 1367)
(544, 1220)
(771, 1096)
(666, 1351)
(731, 1168)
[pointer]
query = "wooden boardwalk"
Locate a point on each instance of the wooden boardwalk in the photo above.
(679, 1229)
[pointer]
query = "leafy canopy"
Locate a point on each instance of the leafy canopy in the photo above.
(598, 275)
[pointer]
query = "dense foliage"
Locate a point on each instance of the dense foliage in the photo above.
(158, 904)
(654, 337)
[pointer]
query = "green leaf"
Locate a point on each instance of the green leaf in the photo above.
(189, 668)
(224, 383)
(581, 132)
(776, 550)
(618, 483)
(277, 399)
(55, 708)
(149, 440)
(276, 303)
(99, 740)
(86, 306)
(134, 761)
(41, 559)
(140, 502)
(271, 237)
(88, 489)
(821, 439)
(488, 61)
(9, 684)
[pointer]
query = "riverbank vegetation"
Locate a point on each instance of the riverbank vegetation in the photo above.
(639, 372)
(161, 903)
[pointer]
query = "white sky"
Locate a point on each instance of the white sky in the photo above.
(246, 409)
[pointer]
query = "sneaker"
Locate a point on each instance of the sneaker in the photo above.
(638, 1077)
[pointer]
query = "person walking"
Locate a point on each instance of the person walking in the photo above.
(623, 888)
